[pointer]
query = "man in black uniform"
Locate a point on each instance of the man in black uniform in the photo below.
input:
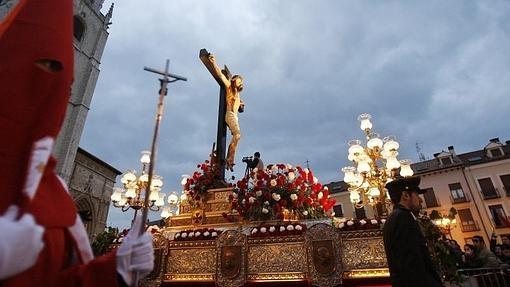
(406, 249)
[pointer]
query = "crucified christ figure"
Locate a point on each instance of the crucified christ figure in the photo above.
(233, 88)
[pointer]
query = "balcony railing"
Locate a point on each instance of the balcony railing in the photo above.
(469, 227)
(490, 194)
(465, 198)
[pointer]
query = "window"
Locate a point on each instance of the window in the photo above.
(430, 198)
(496, 152)
(78, 28)
(360, 213)
(505, 179)
(446, 161)
(457, 193)
(339, 212)
(488, 190)
(466, 220)
(498, 215)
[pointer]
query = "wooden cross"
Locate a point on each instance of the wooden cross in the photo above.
(221, 133)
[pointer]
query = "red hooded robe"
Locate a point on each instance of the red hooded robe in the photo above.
(36, 72)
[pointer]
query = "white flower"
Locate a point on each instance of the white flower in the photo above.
(282, 228)
(272, 229)
(350, 223)
(263, 229)
(291, 176)
(207, 233)
(374, 221)
(383, 220)
(197, 234)
(306, 170)
(320, 195)
(273, 182)
(191, 234)
(266, 202)
(305, 213)
(332, 214)
(244, 201)
(177, 235)
(258, 192)
(274, 167)
(214, 234)
(234, 195)
(326, 188)
(289, 166)
(293, 196)
(315, 180)
(341, 225)
(120, 240)
(251, 199)
(254, 230)
(298, 227)
(276, 197)
(363, 222)
(184, 235)
(265, 210)
(290, 227)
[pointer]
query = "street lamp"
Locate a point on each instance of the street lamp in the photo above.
(373, 166)
(445, 222)
(130, 197)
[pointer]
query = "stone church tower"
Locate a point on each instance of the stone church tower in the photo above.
(90, 35)
(90, 180)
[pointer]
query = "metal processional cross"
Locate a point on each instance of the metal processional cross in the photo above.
(167, 78)
(221, 134)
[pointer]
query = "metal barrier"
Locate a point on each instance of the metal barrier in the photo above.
(485, 277)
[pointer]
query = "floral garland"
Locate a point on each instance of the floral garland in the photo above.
(267, 230)
(198, 234)
(345, 224)
(281, 192)
(208, 177)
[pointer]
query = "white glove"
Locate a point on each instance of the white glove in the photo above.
(20, 242)
(135, 254)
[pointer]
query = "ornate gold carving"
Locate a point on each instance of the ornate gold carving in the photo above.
(363, 253)
(367, 273)
(230, 262)
(318, 236)
(198, 243)
(189, 277)
(361, 233)
(277, 258)
(276, 239)
(287, 276)
(191, 261)
(198, 216)
(323, 256)
(230, 246)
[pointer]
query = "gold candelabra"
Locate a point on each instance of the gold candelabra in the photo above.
(130, 197)
(373, 166)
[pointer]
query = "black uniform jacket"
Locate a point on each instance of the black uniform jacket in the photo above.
(406, 250)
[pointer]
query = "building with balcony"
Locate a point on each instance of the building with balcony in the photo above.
(476, 184)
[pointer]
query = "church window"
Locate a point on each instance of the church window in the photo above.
(78, 28)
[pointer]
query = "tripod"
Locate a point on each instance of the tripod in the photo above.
(247, 171)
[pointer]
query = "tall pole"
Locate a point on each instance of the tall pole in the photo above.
(163, 91)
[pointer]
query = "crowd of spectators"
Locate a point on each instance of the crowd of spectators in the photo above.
(479, 255)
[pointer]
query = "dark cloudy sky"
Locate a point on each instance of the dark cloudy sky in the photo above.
(432, 72)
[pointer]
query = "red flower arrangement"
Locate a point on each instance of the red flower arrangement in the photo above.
(208, 177)
(197, 234)
(266, 230)
(281, 192)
